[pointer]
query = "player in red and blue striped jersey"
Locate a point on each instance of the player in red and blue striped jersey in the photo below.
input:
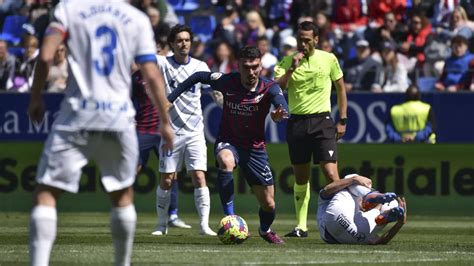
(241, 139)
(148, 131)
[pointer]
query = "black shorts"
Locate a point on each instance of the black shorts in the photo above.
(311, 135)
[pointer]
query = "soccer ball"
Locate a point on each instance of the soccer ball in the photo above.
(233, 230)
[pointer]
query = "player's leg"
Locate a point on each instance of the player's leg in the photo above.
(227, 158)
(195, 157)
(59, 169)
(174, 220)
(43, 224)
(202, 200)
(163, 198)
(145, 145)
(116, 154)
(170, 161)
(123, 219)
(254, 165)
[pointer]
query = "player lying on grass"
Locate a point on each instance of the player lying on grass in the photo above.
(241, 138)
(350, 212)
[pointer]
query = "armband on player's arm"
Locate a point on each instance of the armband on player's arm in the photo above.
(203, 77)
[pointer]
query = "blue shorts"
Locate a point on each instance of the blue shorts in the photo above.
(253, 164)
(147, 143)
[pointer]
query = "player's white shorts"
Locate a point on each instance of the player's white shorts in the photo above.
(191, 149)
(65, 153)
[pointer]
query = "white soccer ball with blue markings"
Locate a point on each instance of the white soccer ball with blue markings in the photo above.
(233, 230)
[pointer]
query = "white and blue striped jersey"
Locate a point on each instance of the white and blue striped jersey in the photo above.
(104, 37)
(186, 113)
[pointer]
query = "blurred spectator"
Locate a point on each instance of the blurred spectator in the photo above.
(289, 46)
(442, 11)
(57, 76)
(302, 8)
(363, 72)
(459, 24)
(349, 15)
(163, 47)
(248, 32)
(225, 30)
(426, 6)
(161, 29)
(391, 31)
(394, 74)
(411, 121)
(414, 45)
(198, 49)
(456, 75)
(7, 65)
(223, 59)
(24, 66)
(268, 59)
(325, 31)
(378, 9)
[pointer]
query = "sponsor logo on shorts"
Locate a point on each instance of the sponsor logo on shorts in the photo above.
(331, 152)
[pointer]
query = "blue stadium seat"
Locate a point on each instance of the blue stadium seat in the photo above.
(12, 28)
(427, 84)
(184, 6)
(203, 26)
(16, 51)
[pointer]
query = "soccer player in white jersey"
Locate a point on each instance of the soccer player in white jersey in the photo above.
(95, 121)
(342, 219)
(187, 123)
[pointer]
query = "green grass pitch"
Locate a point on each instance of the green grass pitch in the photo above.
(84, 238)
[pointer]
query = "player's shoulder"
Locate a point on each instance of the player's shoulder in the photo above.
(199, 65)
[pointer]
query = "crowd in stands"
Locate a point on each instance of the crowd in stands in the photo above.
(382, 45)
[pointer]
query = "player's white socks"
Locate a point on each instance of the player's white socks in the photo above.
(43, 224)
(163, 198)
(203, 205)
(123, 221)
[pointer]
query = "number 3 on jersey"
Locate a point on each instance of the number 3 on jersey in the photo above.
(105, 63)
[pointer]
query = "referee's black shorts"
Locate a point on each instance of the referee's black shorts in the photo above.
(311, 135)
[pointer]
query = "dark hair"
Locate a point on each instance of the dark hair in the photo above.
(177, 29)
(412, 93)
(249, 52)
(459, 39)
(308, 25)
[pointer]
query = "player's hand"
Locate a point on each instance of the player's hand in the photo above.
(363, 181)
(36, 109)
(341, 130)
(168, 137)
(403, 204)
(279, 114)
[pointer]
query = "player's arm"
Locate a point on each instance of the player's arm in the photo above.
(201, 76)
(280, 104)
(342, 105)
(54, 37)
(155, 81)
(332, 188)
(385, 238)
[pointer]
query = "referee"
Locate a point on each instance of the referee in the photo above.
(309, 75)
